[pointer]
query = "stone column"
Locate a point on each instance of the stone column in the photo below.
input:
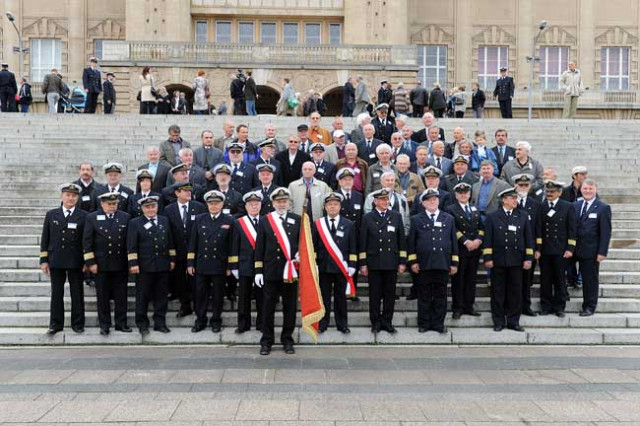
(10, 36)
(526, 30)
(463, 33)
(77, 47)
(587, 42)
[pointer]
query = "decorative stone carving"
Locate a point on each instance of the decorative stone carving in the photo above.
(556, 35)
(431, 34)
(494, 35)
(108, 29)
(616, 36)
(45, 27)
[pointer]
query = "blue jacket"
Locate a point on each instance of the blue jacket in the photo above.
(594, 229)
(433, 245)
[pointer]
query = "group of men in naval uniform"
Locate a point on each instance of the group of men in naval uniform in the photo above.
(173, 243)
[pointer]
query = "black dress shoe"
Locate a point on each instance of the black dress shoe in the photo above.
(104, 332)
(442, 330)
(474, 313)
(265, 350)
(144, 330)
(529, 313)
(162, 329)
(216, 328)
(422, 330)
(51, 331)
(240, 330)
(197, 328)
(344, 330)
(412, 297)
(90, 283)
(497, 328)
(376, 328)
(184, 313)
(78, 329)
(173, 297)
(289, 350)
(322, 329)
(457, 315)
(543, 313)
(390, 329)
(560, 314)
(515, 328)
(586, 313)
(355, 299)
(124, 329)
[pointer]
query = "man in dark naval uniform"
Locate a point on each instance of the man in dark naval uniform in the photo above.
(504, 91)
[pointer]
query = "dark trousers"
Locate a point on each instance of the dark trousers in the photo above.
(181, 285)
(505, 108)
(459, 114)
(112, 285)
(231, 285)
(91, 103)
(209, 287)
(527, 282)
(572, 271)
(382, 289)
(336, 285)
(152, 286)
(347, 109)
(506, 295)
(437, 113)
(147, 107)
(7, 100)
(432, 299)
(238, 106)
(590, 269)
(413, 290)
(272, 291)
(463, 285)
(245, 290)
(108, 108)
(418, 110)
(553, 286)
(58, 278)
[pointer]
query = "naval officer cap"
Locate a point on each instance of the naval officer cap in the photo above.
(109, 197)
(382, 107)
(432, 171)
(70, 187)
(345, 172)
(552, 185)
(381, 193)
(147, 201)
(236, 147)
(182, 186)
(113, 167)
(334, 196)
(252, 196)
(144, 174)
(522, 179)
(317, 147)
(429, 193)
(280, 194)
(509, 192)
(214, 196)
(222, 168)
(267, 142)
(462, 187)
(264, 167)
(182, 167)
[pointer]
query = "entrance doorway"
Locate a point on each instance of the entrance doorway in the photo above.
(188, 91)
(266, 104)
(333, 101)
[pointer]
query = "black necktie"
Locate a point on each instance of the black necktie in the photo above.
(67, 213)
(235, 169)
(348, 196)
(522, 203)
(509, 214)
(255, 223)
(585, 208)
(333, 226)
(111, 216)
(438, 164)
(467, 211)
(550, 205)
(303, 147)
(432, 218)
(113, 190)
(382, 215)
(184, 215)
(153, 222)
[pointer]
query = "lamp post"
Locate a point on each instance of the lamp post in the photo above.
(12, 19)
(532, 62)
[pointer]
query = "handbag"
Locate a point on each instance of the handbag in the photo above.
(293, 102)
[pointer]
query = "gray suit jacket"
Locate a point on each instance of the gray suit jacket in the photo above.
(497, 186)
(331, 154)
(200, 157)
(167, 154)
(362, 94)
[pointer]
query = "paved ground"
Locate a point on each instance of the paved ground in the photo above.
(321, 386)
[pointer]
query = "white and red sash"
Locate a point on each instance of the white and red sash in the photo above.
(289, 274)
(249, 230)
(335, 253)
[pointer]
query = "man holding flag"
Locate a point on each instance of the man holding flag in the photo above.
(334, 240)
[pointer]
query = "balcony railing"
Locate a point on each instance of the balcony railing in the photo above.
(231, 53)
(288, 4)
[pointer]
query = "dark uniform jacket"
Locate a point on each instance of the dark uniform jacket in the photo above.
(85, 194)
(210, 244)
(104, 241)
(383, 132)
(109, 92)
(126, 194)
(150, 247)
(593, 230)
(346, 241)
(433, 245)
(369, 155)
(169, 196)
(445, 197)
(353, 208)
(505, 88)
(61, 242)
(382, 241)
(291, 172)
(91, 80)
(270, 260)
(325, 172)
(277, 175)
(468, 228)
(8, 82)
(160, 179)
(531, 207)
(267, 205)
(182, 231)
(245, 178)
(135, 209)
(508, 241)
(242, 251)
(556, 229)
(451, 180)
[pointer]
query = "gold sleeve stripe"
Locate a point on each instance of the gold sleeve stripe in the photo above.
(481, 233)
(191, 256)
(353, 258)
(172, 252)
(233, 259)
(459, 234)
(538, 240)
(529, 252)
(44, 253)
(455, 258)
(412, 257)
(572, 242)
(487, 251)
(362, 255)
(258, 265)
(403, 253)
(89, 256)
(132, 256)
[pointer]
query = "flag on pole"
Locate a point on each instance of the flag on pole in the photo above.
(311, 303)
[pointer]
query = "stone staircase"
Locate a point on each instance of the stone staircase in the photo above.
(38, 152)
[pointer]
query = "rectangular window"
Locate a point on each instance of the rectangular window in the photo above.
(44, 54)
(201, 31)
(554, 60)
(223, 32)
(267, 32)
(432, 65)
(335, 34)
(614, 68)
(245, 33)
(97, 49)
(312, 34)
(490, 60)
(291, 33)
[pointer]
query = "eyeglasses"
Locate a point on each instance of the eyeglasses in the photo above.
(292, 141)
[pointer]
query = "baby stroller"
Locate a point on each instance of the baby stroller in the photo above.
(72, 101)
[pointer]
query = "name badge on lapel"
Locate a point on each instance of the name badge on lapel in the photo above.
(357, 206)
(339, 234)
(376, 175)
(474, 209)
(391, 228)
(291, 221)
(72, 225)
(239, 173)
(321, 170)
(124, 195)
(86, 198)
(101, 217)
(193, 217)
(593, 215)
(437, 224)
(550, 213)
(225, 211)
(372, 155)
(147, 225)
(513, 228)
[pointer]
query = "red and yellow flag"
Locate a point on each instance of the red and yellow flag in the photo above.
(311, 304)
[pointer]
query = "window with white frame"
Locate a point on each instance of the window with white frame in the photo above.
(335, 34)
(201, 31)
(312, 34)
(97, 49)
(490, 60)
(267, 32)
(554, 60)
(44, 54)
(245, 32)
(223, 32)
(291, 33)
(614, 68)
(432, 65)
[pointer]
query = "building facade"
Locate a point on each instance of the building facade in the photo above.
(318, 44)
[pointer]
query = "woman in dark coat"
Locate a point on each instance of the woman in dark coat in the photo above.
(437, 101)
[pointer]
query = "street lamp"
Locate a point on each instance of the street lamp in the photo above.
(532, 61)
(12, 19)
